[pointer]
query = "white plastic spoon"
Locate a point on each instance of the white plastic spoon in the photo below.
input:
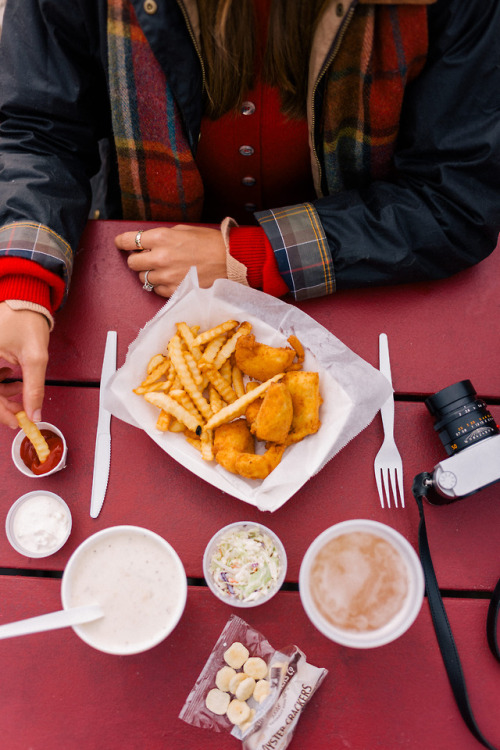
(63, 618)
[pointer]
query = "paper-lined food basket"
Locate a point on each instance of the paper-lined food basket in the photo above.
(352, 390)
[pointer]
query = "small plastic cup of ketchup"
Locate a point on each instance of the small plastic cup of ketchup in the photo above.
(26, 459)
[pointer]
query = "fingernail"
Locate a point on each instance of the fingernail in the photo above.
(37, 415)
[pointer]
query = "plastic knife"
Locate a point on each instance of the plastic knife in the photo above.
(102, 457)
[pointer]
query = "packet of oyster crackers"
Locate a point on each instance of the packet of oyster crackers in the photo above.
(292, 683)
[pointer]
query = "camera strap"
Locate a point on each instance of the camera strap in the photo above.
(440, 619)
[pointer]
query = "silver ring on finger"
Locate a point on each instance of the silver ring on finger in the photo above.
(148, 286)
(138, 242)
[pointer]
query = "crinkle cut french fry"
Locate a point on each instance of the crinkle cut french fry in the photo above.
(194, 441)
(212, 348)
(176, 426)
(34, 436)
(187, 335)
(237, 408)
(160, 385)
(156, 374)
(215, 399)
(237, 381)
(184, 400)
(178, 361)
(154, 362)
(168, 404)
(207, 445)
(219, 383)
(193, 367)
(163, 421)
(251, 385)
(230, 344)
(225, 371)
(212, 333)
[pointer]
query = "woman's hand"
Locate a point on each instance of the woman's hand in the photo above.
(169, 253)
(24, 341)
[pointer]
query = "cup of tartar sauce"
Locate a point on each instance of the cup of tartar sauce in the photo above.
(24, 454)
(38, 524)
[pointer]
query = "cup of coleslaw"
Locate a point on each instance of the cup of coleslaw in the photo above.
(244, 564)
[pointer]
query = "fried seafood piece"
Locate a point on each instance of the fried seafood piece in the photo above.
(274, 418)
(260, 361)
(230, 441)
(306, 400)
(252, 410)
(234, 450)
(259, 466)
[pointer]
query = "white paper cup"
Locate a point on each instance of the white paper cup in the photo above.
(16, 451)
(138, 579)
(342, 585)
(211, 547)
(38, 524)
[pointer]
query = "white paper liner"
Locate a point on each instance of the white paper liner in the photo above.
(352, 390)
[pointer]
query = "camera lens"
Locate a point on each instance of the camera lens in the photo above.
(462, 419)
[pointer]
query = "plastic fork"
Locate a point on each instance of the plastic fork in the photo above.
(388, 463)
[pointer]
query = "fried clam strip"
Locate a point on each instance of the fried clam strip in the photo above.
(296, 344)
(171, 406)
(237, 408)
(186, 378)
(34, 436)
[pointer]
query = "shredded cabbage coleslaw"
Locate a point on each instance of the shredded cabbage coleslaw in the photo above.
(245, 564)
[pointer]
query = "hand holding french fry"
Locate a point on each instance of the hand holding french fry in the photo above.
(24, 341)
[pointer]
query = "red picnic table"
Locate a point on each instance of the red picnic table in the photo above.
(57, 692)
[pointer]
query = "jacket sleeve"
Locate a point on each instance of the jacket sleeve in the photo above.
(442, 212)
(53, 110)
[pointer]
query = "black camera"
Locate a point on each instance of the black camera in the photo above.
(471, 439)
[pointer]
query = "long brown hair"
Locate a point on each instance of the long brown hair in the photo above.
(227, 34)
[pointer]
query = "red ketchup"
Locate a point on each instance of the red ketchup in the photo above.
(30, 458)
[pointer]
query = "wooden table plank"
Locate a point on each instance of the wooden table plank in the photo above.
(59, 693)
(148, 488)
(439, 332)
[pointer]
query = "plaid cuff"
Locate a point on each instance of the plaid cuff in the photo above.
(301, 249)
(38, 243)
